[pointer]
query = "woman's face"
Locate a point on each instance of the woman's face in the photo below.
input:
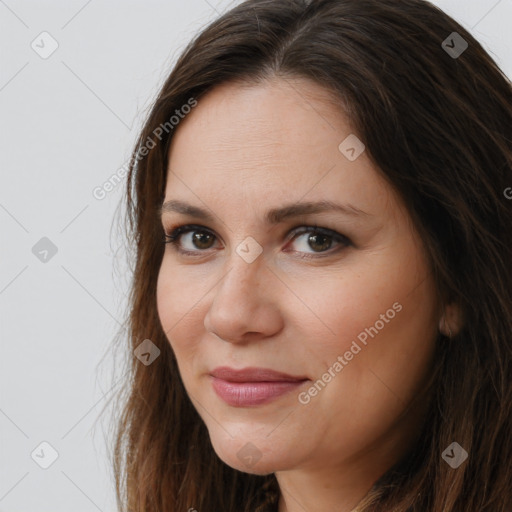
(350, 311)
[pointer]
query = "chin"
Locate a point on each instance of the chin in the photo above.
(260, 468)
(254, 457)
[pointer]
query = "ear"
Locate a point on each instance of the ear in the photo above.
(451, 319)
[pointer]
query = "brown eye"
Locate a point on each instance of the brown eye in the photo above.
(192, 240)
(318, 240)
(200, 239)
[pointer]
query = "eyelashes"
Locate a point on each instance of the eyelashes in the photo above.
(317, 235)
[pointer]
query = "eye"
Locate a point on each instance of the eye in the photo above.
(201, 239)
(321, 240)
(198, 239)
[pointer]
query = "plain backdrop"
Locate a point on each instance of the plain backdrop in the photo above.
(68, 122)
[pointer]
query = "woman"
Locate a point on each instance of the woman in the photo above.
(328, 326)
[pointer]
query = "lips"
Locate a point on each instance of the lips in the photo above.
(252, 386)
(253, 374)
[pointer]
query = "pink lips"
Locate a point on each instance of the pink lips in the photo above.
(252, 386)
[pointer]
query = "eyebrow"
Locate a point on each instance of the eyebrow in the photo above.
(273, 216)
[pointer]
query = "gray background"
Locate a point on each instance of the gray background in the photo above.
(67, 125)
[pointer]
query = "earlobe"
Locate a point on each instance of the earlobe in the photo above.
(451, 321)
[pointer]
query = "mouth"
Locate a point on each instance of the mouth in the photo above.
(252, 386)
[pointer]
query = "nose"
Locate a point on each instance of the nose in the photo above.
(244, 305)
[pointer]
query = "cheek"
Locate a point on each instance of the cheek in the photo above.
(177, 301)
(335, 309)
(166, 299)
(382, 324)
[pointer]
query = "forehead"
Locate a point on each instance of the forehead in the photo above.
(268, 142)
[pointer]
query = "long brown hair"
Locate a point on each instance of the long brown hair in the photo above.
(437, 125)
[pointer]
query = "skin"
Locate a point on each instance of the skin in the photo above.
(242, 151)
